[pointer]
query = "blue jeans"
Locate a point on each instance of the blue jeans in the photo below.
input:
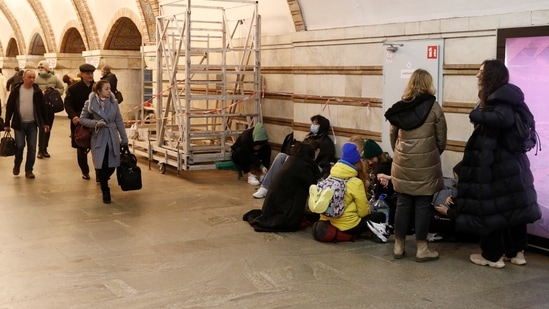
(273, 170)
(28, 133)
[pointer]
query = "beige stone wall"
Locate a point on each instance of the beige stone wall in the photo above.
(342, 68)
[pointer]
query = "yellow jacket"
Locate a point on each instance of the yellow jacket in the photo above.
(356, 203)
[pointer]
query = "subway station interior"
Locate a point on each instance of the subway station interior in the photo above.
(194, 75)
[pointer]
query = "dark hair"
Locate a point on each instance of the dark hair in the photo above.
(66, 79)
(99, 85)
(303, 150)
(323, 123)
(494, 75)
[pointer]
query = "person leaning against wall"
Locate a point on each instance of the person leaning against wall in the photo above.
(418, 138)
(496, 194)
(45, 79)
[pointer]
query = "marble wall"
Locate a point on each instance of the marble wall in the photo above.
(339, 74)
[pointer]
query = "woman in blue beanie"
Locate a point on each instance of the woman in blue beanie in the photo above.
(356, 218)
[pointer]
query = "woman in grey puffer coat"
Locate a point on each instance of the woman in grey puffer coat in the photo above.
(418, 138)
(102, 114)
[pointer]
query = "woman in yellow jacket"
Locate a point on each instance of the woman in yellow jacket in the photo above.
(356, 218)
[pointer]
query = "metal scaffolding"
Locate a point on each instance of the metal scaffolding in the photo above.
(208, 82)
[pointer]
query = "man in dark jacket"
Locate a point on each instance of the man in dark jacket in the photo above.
(77, 94)
(25, 113)
(15, 79)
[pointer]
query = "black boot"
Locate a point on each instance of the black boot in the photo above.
(40, 154)
(106, 196)
(46, 154)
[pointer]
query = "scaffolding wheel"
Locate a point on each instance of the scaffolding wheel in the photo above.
(162, 168)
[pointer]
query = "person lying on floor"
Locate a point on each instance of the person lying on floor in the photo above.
(284, 206)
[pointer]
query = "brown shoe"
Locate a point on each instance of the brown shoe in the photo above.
(16, 170)
(40, 155)
(29, 175)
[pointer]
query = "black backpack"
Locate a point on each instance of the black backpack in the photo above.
(522, 136)
(54, 100)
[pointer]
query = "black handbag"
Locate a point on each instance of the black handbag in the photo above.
(128, 173)
(119, 97)
(7, 145)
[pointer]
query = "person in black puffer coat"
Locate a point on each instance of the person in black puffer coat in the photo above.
(496, 195)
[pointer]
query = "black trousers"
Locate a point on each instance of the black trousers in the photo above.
(44, 137)
(105, 172)
(504, 242)
(82, 158)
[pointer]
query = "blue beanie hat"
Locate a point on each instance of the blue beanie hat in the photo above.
(350, 153)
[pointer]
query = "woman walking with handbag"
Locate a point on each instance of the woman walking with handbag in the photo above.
(102, 114)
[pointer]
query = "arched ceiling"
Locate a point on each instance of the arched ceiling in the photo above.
(25, 23)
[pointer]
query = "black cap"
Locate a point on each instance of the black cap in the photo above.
(87, 68)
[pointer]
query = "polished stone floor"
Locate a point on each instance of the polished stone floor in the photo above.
(180, 243)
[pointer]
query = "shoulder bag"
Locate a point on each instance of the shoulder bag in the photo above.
(7, 145)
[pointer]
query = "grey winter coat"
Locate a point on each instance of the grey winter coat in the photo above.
(112, 135)
(418, 137)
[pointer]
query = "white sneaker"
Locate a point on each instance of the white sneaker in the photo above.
(517, 260)
(253, 180)
(480, 260)
(433, 237)
(378, 229)
(260, 193)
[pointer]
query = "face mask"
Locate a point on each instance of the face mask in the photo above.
(43, 72)
(314, 128)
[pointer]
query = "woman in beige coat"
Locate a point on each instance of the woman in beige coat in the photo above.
(418, 137)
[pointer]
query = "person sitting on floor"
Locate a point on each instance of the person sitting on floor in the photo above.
(356, 219)
(251, 152)
(284, 207)
(320, 127)
(275, 168)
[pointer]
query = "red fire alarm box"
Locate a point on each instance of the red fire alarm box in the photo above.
(432, 52)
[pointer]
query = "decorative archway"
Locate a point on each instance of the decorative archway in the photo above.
(37, 46)
(72, 42)
(13, 48)
(124, 35)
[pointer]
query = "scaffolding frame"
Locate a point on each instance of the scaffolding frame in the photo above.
(208, 82)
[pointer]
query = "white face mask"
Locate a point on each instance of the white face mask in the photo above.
(42, 72)
(314, 128)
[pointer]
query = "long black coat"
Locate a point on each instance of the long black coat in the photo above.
(496, 186)
(284, 205)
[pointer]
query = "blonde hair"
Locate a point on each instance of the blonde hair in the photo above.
(419, 83)
(359, 142)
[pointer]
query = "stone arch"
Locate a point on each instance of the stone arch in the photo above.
(36, 46)
(124, 34)
(45, 25)
(149, 9)
(13, 48)
(72, 42)
(14, 25)
(86, 23)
